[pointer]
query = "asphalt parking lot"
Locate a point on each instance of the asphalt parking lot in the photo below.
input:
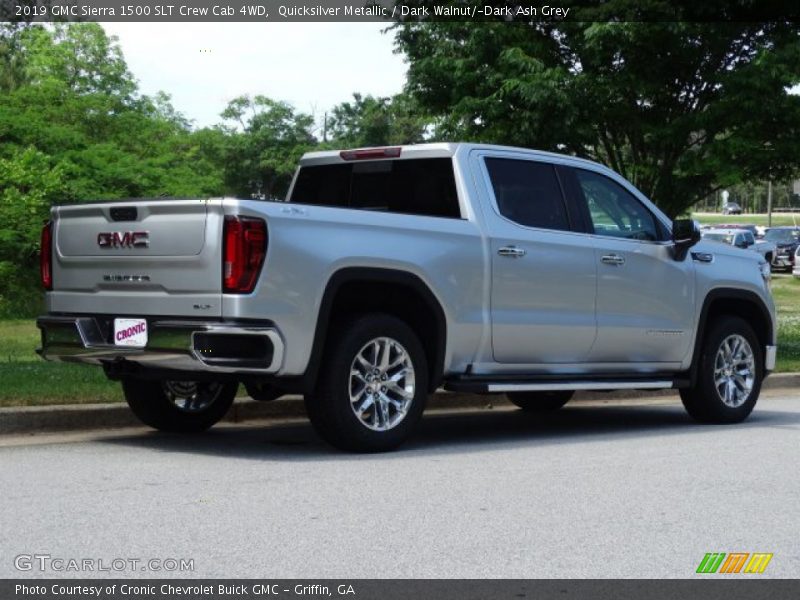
(622, 490)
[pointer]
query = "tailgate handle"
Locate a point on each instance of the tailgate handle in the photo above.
(124, 213)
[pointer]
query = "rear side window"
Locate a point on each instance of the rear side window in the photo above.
(424, 186)
(528, 193)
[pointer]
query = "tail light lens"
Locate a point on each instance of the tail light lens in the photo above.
(245, 241)
(46, 256)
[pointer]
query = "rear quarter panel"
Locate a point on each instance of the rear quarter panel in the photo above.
(308, 244)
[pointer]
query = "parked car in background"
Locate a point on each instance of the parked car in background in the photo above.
(796, 269)
(731, 208)
(751, 227)
(742, 238)
(787, 240)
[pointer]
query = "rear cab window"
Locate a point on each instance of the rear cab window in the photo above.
(528, 193)
(418, 186)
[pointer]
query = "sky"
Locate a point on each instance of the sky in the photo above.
(313, 66)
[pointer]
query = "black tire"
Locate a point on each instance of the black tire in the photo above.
(329, 406)
(540, 401)
(704, 401)
(155, 404)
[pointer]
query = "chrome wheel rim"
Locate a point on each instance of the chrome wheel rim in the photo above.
(382, 384)
(734, 371)
(191, 396)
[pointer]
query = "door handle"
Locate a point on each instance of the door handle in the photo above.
(512, 252)
(613, 259)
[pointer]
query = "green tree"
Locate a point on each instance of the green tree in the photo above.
(679, 108)
(266, 139)
(12, 72)
(73, 127)
(373, 121)
(29, 184)
(82, 57)
(78, 103)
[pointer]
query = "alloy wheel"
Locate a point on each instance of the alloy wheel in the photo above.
(381, 384)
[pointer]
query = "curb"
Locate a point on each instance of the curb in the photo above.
(78, 417)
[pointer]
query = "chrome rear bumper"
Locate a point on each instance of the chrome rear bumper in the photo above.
(172, 344)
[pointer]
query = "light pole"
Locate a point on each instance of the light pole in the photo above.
(769, 203)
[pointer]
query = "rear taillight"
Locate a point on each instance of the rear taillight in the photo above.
(46, 256)
(245, 241)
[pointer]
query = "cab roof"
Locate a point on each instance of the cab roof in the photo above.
(433, 150)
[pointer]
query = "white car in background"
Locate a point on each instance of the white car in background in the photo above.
(742, 238)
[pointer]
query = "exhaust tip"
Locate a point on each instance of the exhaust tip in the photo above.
(234, 350)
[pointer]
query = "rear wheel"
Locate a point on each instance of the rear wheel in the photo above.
(540, 401)
(372, 387)
(729, 375)
(182, 406)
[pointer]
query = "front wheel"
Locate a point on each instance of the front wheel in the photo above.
(729, 375)
(180, 406)
(540, 401)
(372, 387)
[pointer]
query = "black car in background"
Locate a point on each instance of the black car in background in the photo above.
(731, 208)
(787, 239)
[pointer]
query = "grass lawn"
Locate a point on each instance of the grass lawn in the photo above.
(26, 380)
(756, 219)
(786, 291)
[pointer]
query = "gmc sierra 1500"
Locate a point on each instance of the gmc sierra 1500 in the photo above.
(391, 272)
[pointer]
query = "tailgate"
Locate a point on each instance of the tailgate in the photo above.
(146, 257)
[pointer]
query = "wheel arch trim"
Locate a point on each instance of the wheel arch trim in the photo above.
(376, 275)
(725, 293)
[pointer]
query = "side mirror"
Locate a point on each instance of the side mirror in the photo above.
(685, 234)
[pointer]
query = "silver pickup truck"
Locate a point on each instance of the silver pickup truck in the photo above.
(389, 273)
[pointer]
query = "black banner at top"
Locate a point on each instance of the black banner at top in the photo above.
(528, 11)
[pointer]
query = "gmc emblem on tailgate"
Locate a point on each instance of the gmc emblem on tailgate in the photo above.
(123, 239)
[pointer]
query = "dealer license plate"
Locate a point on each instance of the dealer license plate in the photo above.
(130, 332)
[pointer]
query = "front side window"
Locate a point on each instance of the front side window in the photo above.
(614, 211)
(528, 193)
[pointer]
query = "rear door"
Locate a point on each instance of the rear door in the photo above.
(543, 273)
(141, 258)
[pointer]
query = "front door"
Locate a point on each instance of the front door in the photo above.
(645, 298)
